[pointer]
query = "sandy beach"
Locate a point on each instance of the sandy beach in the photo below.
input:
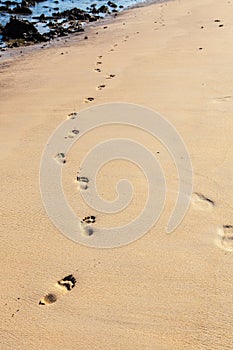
(162, 292)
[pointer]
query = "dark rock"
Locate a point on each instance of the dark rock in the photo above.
(4, 9)
(94, 10)
(22, 10)
(112, 4)
(74, 14)
(10, 3)
(24, 3)
(103, 9)
(42, 17)
(20, 29)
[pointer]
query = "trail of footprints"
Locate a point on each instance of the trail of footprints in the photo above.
(87, 221)
(62, 286)
(224, 235)
(98, 69)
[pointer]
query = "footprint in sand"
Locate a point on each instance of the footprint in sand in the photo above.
(224, 239)
(88, 99)
(101, 87)
(72, 134)
(223, 98)
(62, 287)
(201, 202)
(83, 182)
(72, 115)
(110, 76)
(85, 225)
(98, 70)
(99, 62)
(60, 158)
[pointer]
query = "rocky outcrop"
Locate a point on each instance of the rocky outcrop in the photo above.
(20, 29)
(112, 4)
(19, 32)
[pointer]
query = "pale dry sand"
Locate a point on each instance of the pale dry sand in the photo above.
(163, 291)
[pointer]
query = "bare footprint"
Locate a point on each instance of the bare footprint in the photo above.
(224, 238)
(100, 87)
(72, 134)
(72, 115)
(60, 158)
(88, 99)
(110, 76)
(201, 202)
(85, 225)
(65, 284)
(83, 182)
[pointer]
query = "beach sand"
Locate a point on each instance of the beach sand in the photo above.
(163, 291)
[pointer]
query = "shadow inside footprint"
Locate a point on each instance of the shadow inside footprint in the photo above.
(89, 219)
(100, 87)
(202, 202)
(110, 76)
(87, 230)
(48, 299)
(67, 282)
(88, 99)
(82, 179)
